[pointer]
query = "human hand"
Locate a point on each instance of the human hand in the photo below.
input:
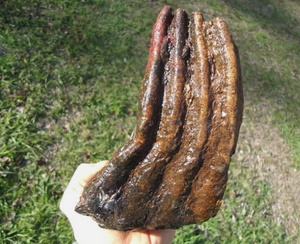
(87, 231)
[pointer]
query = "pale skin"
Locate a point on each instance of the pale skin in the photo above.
(87, 231)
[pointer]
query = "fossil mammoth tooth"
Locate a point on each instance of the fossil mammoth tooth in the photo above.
(174, 170)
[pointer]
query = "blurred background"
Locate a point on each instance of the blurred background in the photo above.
(70, 73)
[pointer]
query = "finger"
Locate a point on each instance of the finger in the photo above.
(87, 231)
(162, 236)
(137, 238)
(89, 170)
(82, 175)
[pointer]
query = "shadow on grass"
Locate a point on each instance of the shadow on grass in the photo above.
(275, 44)
(269, 48)
(270, 14)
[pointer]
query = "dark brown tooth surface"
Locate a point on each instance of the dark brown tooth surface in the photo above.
(100, 193)
(145, 179)
(174, 170)
(168, 205)
(210, 183)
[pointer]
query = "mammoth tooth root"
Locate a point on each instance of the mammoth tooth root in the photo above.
(173, 171)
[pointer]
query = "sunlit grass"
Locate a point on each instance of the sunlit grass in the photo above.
(70, 73)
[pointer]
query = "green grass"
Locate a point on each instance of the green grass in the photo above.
(70, 73)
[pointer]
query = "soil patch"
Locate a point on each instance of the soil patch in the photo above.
(262, 148)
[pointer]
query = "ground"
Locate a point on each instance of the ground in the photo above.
(263, 150)
(70, 73)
